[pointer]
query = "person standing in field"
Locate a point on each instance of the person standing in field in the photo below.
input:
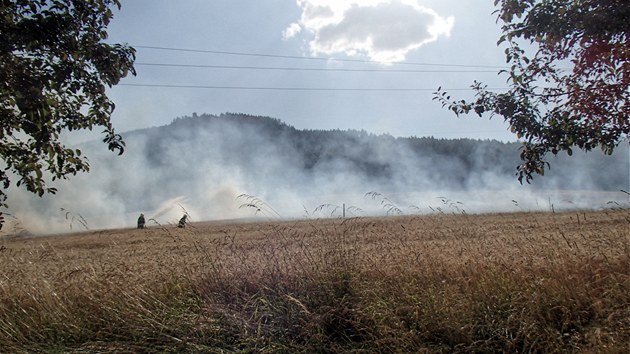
(141, 221)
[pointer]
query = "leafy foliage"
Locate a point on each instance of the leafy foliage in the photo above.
(54, 69)
(575, 89)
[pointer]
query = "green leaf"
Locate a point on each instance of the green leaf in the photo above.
(58, 69)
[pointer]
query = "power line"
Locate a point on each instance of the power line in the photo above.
(309, 69)
(255, 88)
(312, 58)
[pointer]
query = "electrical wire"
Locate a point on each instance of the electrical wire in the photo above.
(313, 58)
(309, 69)
(480, 69)
(262, 88)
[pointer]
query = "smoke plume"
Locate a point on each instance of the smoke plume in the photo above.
(236, 166)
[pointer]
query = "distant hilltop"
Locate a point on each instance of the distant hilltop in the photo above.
(254, 143)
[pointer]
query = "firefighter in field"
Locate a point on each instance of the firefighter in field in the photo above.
(141, 221)
(182, 221)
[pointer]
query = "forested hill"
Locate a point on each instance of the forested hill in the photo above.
(208, 158)
(256, 143)
(245, 140)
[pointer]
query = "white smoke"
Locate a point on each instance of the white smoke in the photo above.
(230, 170)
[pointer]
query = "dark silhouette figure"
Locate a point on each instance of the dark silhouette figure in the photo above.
(141, 221)
(182, 221)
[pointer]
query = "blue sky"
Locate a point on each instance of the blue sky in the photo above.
(339, 42)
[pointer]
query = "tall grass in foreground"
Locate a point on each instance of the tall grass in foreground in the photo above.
(528, 282)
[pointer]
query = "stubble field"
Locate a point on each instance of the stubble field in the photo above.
(535, 282)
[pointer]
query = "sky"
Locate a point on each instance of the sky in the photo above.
(314, 64)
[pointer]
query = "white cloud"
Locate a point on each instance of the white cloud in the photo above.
(382, 30)
(291, 31)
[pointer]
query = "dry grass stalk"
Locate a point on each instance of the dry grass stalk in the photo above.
(453, 283)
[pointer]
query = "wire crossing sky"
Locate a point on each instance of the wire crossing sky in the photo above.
(301, 88)
(314, 64)
(316, 58)
(311, 69)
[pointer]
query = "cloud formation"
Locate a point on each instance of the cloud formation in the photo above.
(382, 30)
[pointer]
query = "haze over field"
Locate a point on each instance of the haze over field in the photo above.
(318, 65)
(201, 164)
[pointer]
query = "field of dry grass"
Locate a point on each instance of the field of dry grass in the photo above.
(539, 282)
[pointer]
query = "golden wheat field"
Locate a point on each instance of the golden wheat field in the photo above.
(541, 282)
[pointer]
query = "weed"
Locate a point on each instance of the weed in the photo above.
(17, 229)
(340, 211)
(259, 206)
(386, 203)
(74, 217)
